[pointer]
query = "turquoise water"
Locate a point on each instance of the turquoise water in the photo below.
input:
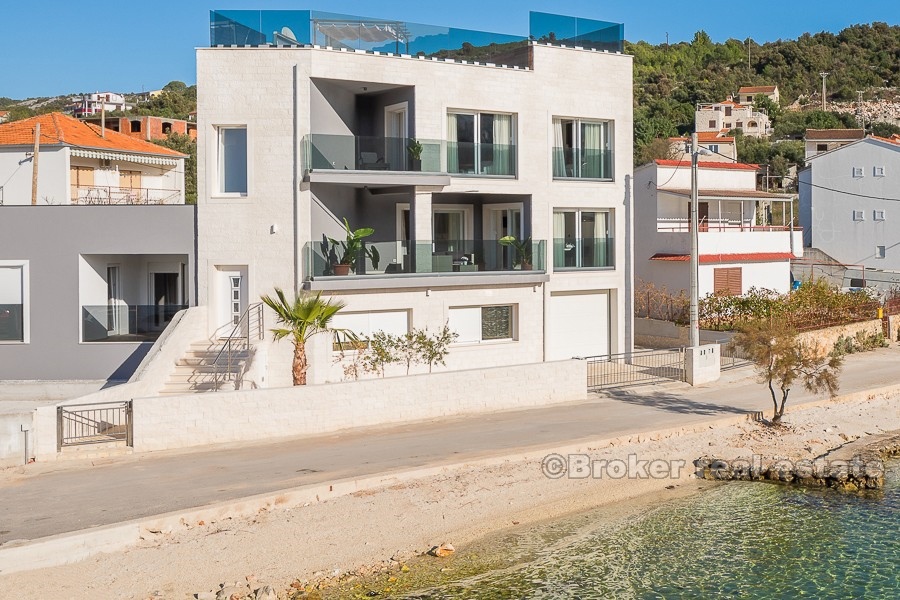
(740, 540)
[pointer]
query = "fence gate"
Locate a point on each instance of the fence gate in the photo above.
(79, 424)
(635, 368)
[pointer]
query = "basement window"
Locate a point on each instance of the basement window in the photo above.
(858, 215)
(878, 215)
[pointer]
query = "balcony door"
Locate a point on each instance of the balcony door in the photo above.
(502, 220)
(117, 311)
(396, 132)
(702, 216)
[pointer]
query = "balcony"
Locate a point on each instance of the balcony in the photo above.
(108, 195)
(493, 160)
(124, 323)
(583, 253)
(404, 261)
(576, 163)
(720, 238)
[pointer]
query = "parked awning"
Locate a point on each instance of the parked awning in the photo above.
(144, 159)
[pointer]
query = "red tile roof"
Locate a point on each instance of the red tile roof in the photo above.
(726, 258)
(835, 134)
(59, 129)
(707, 165)
(727, 193)
(758, 89)
(894, 139)
(707, 136)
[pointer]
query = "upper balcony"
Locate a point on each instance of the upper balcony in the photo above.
(110, 194)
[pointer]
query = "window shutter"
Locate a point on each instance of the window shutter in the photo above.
(728, 280)
(466, 322)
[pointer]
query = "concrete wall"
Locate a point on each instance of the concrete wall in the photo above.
(826, 338)
(52, 240)
(828, 215)
(53, 175)
(183, 421)
(12, 438)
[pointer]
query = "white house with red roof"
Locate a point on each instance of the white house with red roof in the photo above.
(83, 163)
(745, 235)
(729, 115)
(722, 147)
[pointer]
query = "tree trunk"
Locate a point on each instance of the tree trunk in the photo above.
(779, 410)
(776, 416)
(300, 364)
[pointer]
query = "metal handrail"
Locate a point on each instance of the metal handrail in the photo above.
(112, 194)
(237, 340)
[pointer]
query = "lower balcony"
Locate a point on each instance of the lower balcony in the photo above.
(107, 194)
(124, 323)
(409, 264)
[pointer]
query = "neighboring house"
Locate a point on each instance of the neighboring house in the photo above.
(505, 147)
(825, 140)
(4, 116)
(80, 163)
(96, 103)
(721, 147)
(728, 115)
(748, 94)
(85, 290)
(745, 237)
(850, 207)
(147, 127)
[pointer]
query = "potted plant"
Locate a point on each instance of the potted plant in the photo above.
(344, 254)
(414, 147)
(523, 250)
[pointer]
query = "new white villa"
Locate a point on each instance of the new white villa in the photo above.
(443, 154)
(745, 235)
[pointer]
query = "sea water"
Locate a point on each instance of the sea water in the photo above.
(737, 540)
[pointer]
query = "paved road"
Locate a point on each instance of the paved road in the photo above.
(68, 498)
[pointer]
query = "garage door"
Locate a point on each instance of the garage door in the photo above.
(579, 324)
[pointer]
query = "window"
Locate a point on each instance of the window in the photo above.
(366, 324)
(740, 124)
(582, 149)
(481, 143)
(821, 147)
(727, 125)
(714, 148)
(749, 99)
(232, 160)
(727, 281)
(13, 301)
(857, 171)
(582, 239)
(475, 324)
(166, 128)
(712, 124)
(751, 124)
(878, 215)
(136, 126)
(880, 251)
(878, 171)
(727, 111)
(858, 215)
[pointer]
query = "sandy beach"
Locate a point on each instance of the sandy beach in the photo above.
(384, 528)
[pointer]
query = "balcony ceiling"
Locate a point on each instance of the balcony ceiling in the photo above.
(356, 87)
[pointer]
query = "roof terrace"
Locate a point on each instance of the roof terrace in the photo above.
(308, 27)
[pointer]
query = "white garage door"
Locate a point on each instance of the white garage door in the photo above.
(579, 324)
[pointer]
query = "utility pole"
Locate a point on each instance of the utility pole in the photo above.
(823, 75)
(34, 163)
(695, 246)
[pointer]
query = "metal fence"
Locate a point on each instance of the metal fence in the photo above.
(730, 356)
(79, 424)
(635, 368)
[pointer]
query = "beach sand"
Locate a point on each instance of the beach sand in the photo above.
(359, 534)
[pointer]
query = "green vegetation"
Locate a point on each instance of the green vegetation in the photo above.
(184, 144)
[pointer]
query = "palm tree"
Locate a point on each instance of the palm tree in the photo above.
(303, 318)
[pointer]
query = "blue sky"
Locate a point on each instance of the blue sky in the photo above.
(50, 47)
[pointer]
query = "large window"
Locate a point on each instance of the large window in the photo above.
(232, 160)
(581, 149)
(366, 324)
(582, 239)
(480, 143)
(13, 292)
(474, 324)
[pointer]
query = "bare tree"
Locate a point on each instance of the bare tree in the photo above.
(782, 360)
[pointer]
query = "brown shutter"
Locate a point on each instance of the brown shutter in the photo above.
(728, 281)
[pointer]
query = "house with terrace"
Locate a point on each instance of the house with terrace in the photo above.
(493, 169)
(93, 272)
(746, 237)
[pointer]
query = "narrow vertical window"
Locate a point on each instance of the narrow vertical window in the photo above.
(233, 160)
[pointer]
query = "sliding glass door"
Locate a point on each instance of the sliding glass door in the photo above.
(581, 149)
(582, 239)
(480, 144)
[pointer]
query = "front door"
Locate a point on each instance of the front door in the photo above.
(232, 298)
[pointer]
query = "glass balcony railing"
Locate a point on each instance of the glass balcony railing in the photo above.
(439, 257)
(468, 158)
(125, 323)
(578, 163)
(584, 253)
(371, 153)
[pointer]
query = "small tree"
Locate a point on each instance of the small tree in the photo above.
(781, 360)
(407, 349)
(433, 349)
(380, 353)
(304, 317)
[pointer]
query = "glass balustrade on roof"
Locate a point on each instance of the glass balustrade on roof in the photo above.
(305, 27)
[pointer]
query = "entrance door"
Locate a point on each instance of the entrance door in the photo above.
(396, 132)
(232, 297)
(165, 295)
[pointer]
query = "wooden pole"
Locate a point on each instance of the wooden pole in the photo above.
(34, 163)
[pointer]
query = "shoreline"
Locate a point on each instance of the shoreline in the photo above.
(363, 531)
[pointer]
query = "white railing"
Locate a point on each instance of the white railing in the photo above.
(109, 194)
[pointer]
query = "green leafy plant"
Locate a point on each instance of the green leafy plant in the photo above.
(415, 148)
(352, 247)
(433, 349)
(523, 248)
(380, 353)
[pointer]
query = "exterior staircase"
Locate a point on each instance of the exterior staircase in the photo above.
(197, 372)
(218, 365)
